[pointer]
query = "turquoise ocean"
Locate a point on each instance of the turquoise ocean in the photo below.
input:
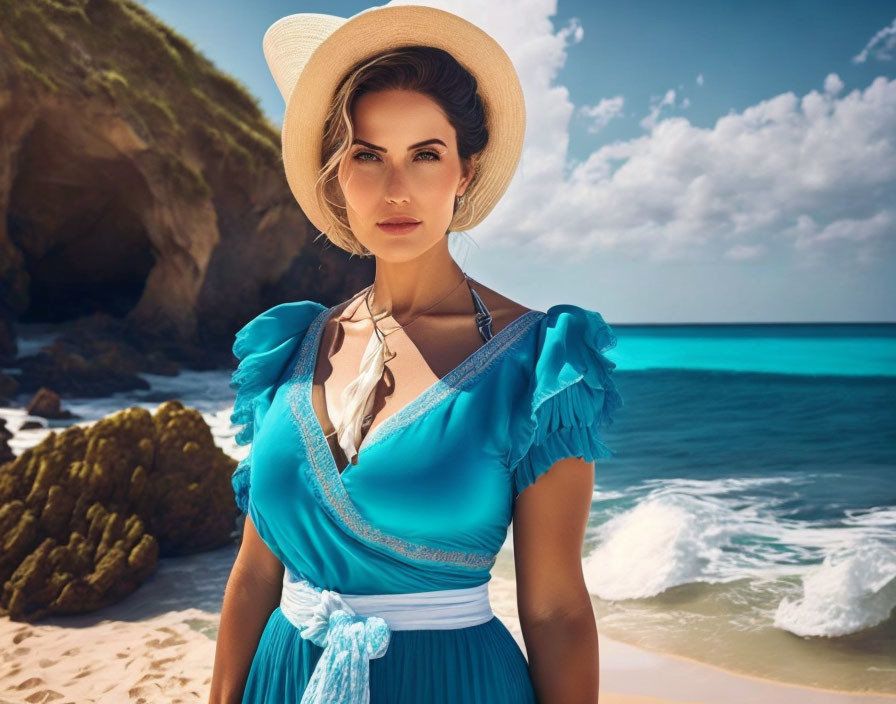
(748, 517)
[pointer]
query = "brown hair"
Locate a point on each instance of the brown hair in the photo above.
(424, 69)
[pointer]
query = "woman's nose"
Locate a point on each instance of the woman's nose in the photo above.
(396, 187)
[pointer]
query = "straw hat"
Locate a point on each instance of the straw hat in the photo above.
(309, 54)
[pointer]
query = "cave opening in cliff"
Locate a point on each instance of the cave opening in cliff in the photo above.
(74, 214)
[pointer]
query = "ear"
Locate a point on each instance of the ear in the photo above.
(469, 170)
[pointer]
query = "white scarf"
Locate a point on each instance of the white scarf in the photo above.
(358, 396)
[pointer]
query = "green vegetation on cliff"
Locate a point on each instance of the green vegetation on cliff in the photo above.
(117, 50)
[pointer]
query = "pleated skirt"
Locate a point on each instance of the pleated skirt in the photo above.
(469, 665)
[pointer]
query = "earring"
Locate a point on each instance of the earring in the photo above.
(459, 201)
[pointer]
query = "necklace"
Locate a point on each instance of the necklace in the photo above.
(358, 396)
(374, 318)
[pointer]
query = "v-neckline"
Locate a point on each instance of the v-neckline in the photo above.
(429, 397)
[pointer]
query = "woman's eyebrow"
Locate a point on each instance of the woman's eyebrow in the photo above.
(413, 146)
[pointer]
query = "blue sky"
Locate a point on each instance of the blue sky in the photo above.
(684, 162)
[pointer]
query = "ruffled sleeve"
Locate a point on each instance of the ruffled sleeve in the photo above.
(264, 347)
(571, 396)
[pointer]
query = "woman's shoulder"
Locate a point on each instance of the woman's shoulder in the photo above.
(264, 347)
(569, 394)
(566, 327)
(564, 335)
(275, 325)
(558, 347)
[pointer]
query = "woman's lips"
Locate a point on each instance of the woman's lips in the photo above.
(401, 228)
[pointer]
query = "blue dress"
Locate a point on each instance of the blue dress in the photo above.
(429, 502)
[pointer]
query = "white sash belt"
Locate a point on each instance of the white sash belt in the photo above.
(355, 628)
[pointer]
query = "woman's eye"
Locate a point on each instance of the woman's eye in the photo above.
(434, 156)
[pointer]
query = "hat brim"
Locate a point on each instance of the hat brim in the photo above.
(372, 32)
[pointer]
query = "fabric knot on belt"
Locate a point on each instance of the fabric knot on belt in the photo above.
(353, 629)
(342, 675)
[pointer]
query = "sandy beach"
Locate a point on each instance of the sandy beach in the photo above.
(158, 646)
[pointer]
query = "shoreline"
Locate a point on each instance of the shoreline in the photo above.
(634, 670)
(158, 645)
(682, 679)
(885, 696)
(139, 660)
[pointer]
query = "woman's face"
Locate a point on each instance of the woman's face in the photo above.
(403, 162)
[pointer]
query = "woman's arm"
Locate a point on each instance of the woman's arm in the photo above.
(251, 595)
(556, 616)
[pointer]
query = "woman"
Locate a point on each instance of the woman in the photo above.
(393, 435)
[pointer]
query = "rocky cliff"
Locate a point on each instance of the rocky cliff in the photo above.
(141, 184)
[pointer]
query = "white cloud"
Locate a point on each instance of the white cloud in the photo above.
(741, 252)
(807, 233)
(603, 112)
(832, 84)
(699, 79)
(766, 175)
(882, 43)
(656, 106)
(753, 174)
